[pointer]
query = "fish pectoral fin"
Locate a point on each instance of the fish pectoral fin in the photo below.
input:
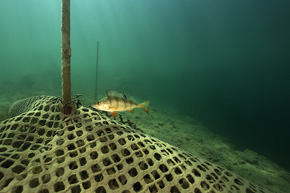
(114, 113)
(132, 110)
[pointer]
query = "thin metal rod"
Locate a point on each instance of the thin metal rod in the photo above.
(97, 64)
(65, 55)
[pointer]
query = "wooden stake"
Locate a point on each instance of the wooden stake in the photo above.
(65, 55)
(97, 64)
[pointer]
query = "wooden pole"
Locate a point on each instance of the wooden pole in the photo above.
(65, 55)
(97, 64)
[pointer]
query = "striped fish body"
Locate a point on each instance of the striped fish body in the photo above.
(119, 104)
(117, 101)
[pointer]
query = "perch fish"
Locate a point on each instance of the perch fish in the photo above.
(117, 101)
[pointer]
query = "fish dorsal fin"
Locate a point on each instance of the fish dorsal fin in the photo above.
(115, 93)
(132, 99)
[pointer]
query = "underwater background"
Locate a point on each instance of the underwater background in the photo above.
(225, 63)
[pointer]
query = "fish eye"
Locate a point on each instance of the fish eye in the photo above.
(98, 103)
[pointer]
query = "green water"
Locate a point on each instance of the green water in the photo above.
(225, 63)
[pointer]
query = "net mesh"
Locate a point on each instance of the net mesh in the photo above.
(42, 150)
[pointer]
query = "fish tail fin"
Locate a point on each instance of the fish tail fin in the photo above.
(145, 106)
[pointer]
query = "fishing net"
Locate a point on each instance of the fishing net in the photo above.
(42, 150)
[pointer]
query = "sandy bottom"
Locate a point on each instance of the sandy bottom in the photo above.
(191, 136)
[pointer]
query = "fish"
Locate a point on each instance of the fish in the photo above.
(117, 101)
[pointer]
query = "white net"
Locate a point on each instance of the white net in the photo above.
(42, 150)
